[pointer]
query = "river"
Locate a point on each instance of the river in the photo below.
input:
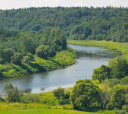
(88, 58)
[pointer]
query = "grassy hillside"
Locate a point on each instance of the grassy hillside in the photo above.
(61, 59)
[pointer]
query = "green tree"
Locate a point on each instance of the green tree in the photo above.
(27, 45)
(43, 51)
(16, 59)
(85, 95)
(119, 67)
(101, 73)
(8, 53)
(117, 98)
(1, 55)
(59, 94)
(13, 93)
(26, 59)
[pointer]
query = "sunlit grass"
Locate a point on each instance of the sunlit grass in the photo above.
(121, 47)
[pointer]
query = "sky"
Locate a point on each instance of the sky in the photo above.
(15, 4)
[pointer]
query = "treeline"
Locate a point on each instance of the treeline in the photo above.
(78, 23)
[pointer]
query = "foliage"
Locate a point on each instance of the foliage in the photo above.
(27, 45)
(59, 94)
(119, 67)
(33, 64)
(113, 82)
(62, 96)
(85, 95)
(78, 23)
(124, 81)
(43, 51)
(101, 73)
(117, 98)
(13, 93)
(16, 59)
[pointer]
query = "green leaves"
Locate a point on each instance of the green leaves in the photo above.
(43, 51)
(13, 93)
(101, 73)
(117, 98)
(85, 95)
(119, 67)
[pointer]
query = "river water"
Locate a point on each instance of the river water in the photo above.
(88, 58)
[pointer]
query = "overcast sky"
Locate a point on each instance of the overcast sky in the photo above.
(10, 4)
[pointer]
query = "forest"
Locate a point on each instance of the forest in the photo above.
(35, 40)
(23, 53)
(78, 23)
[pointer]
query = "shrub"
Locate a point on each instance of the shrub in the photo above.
(124, 81)
(13, 93)
(101, 73)
(85, 95)
(113, 82)
(119, 67)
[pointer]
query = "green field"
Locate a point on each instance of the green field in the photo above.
(33, 108)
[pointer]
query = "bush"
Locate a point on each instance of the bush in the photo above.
(85, 95)
(113, 82)
(124, 81)
(13, 93)
(119, 67)
(63, 97)
(117, 98)
(125, 107)
(101, 73)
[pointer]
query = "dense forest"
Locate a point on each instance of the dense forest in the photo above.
(78, 23)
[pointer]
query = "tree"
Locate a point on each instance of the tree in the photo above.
(119, 67)
(1, 55)
(13, 93)
(8, 53)
(117, 98)
(85, 95)
(43, 51)
(27, 45)
(101, 73)
(26, 59)
(16, 59)
(59, 94)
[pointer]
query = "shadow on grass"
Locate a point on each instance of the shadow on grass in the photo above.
(55, 62)
(35, 65)
(26, 68)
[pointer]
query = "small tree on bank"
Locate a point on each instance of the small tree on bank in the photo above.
(13, 93)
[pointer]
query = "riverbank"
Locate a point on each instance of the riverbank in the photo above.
(120, 47)
(61, 59)
(46, 103)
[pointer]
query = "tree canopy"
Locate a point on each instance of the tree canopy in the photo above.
(85, 95)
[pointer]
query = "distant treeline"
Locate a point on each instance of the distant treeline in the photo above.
(78, 23)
